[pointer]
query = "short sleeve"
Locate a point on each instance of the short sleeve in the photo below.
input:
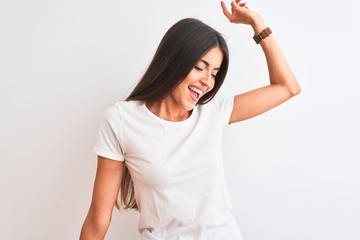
(224, 107)
(108, 140)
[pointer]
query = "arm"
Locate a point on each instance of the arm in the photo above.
(106, 188)
(283, 84)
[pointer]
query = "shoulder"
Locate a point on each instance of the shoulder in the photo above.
(220, 107)
(125, 113)
(124, 105)
(120, 107)
(218, 103)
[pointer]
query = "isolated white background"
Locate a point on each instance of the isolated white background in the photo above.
(293, 173)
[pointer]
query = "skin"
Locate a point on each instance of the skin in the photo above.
(283, 83)
(106, 188)
(178, 105)
(282, 86)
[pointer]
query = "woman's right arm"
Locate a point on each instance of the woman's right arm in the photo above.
(106, 189)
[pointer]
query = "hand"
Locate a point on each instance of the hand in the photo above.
(240, 13)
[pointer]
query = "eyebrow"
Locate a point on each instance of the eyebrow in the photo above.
(207, 64)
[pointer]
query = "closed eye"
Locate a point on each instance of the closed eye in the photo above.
(201, 69)
(198, 68)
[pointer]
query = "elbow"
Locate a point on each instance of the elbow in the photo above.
(294, 89)
(94, 229)
(101, 225)
(95, 224)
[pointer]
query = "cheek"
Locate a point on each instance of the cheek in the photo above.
(211, 88)
(193, 75)
(212, 85)
(182, 87)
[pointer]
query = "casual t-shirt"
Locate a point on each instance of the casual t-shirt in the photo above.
(176, 167)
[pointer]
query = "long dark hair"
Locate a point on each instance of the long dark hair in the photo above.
(180, 49)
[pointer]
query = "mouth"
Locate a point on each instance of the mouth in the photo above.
(195, 93)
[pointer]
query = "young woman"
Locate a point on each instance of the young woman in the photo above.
(162, 146)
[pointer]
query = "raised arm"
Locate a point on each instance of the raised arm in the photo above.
(283, 84)
(106, 189)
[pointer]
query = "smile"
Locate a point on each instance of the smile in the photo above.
(197, 91)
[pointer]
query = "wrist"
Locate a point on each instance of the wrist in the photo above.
(262, 35)
(258, 24)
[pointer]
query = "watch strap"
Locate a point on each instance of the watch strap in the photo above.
(262, 35)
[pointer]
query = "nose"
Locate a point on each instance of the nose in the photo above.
(206, 79)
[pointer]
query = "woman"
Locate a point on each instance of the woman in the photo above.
(162, 146)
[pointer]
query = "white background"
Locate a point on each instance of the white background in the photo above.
(293, 173)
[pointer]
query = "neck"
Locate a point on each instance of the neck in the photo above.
(167, 111)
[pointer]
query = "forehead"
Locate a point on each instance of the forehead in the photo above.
(213, 57)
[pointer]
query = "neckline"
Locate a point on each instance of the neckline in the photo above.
(167, 122)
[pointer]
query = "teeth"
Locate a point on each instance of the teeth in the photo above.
(195, 90)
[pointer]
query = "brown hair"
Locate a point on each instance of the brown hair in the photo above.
(179, 50)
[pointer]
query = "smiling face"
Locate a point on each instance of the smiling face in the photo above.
(198, 82)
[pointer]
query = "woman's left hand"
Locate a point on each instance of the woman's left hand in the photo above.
(240, 13)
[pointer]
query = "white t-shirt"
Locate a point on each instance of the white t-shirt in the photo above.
(176, 167)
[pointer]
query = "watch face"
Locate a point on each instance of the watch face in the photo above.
(257, 38)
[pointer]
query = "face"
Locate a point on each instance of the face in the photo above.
(199, 81)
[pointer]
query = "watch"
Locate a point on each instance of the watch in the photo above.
(262, 35)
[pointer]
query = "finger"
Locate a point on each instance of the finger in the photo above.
(241, 4)
(225, 11)
(234, 3)
(244, 5)
(235, 7)
(233, 12)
